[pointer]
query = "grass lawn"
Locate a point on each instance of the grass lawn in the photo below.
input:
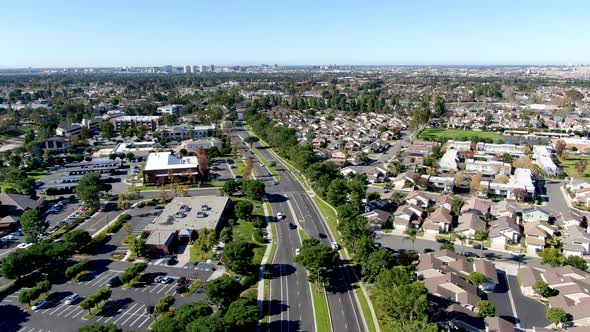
(322, 313)
(244, 230)
(569, 166)
(434, 134)
(365, 308)
(35, 175)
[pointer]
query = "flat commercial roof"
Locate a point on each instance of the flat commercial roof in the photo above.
(166, 160)
(190, 213)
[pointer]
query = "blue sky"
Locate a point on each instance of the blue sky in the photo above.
(143, 33)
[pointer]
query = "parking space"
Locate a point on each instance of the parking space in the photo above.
(222, 168)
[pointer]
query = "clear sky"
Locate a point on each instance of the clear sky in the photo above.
(76, 33)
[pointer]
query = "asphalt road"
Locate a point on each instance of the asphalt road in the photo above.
(290, 198)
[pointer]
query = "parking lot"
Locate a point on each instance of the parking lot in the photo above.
(127, 309)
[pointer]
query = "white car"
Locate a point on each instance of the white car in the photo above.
(261, 165)
(72, 299)
(39, 305)
(8, 237)
(23, 245)
(279, 216)
(297, 251)
(516, 253)
(335, 246)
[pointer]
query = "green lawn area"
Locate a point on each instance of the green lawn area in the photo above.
(35, 175)
(322, 313)
(365, 308)
(244, 230)
(569, 166)
(435, 134)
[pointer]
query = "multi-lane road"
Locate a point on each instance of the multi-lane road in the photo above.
(291, 305)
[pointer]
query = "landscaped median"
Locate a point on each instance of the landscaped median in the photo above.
(266, 163)
(321, 310)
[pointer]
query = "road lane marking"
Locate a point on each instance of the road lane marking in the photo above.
(132, 315)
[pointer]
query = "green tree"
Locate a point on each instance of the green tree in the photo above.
(377, 262)
(223, 291)
(394, 277)
(481, 236)
(137, 246)
(456, 205)
(190, 312)
(243, 210)
(107, 129)
(26, 296)
(317, 259)
(337, 192)
(551, 256)
(226, 235)
(33, 225)
(208, 324)
(576, 261)
(238, 257)
(485, 309)
(164, 305)
(88, 190)
(556, 316)
(405, 303)
(230, 187)
(250, 140)
(476, 278)
(78, 238)
(541, 288)
(88, 303)
(253, 189)
(242, 314)
(166, 324)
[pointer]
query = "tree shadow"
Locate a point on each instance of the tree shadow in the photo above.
(275, 198)
(12, 317)
(273, 271)
(273, 307)
(284, 325)
(115, 307)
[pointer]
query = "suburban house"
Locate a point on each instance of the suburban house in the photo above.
(489, 167)
(535, 213)
(543, 159)
(536, 233)
(504, 230)
(439, 221)
(376, 219)
(407, 216)
(575, 241)
(15, 204)
(477, 206)
(445, 274)
(469, 223)
(444, 183)
(498, 324)
(571, 284)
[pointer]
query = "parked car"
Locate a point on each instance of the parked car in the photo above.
(72, 299)
(149, 309)
(181, 281)
(162, 279)
(9, 237)
(427, 250)
(24, 245)
(39, 305)
(279, 216)
(114, 282)
(478, 246)
(517, 253)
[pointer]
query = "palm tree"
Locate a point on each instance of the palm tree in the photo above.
(411, 235)
(462, 238)
(481, 236)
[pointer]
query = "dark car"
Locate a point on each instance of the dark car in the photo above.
(113, 282)
(181, 281)
(181, 289)
(171, 261)
(478, 246)
(427, 250)
(149, 309)
(292, 226)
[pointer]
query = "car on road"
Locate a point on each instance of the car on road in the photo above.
(261, 165)
(427, 250)
(335, 246)
(478, 246)
(279, 216)
(9, 237)
(297, 251)
(471, 254)
(171, 261)
(517, 253)
(39, 305)
(292, 226)
(24, 245)
(114, 282)
(275, 182)
(72, 299)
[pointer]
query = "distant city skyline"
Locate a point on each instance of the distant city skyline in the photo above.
(59, 34)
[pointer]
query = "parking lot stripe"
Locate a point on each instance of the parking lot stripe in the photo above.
(78, 314)
(123, 313)
(132, 315)
(59, 307)
(108, 275)
(138, 318)
(146, 319)
(74, 309)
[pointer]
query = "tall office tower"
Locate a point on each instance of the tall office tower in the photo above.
(212, 68)
(187, 69)
(202, 68)
(195, 69)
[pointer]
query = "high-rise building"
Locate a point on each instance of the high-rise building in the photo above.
(202, 68)
(195, 69)
(212, 68)
(187, 69)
